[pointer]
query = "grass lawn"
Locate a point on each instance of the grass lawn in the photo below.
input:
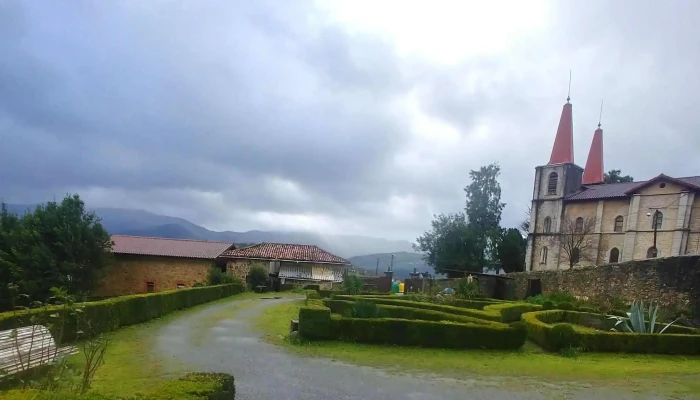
(130, 364)
(678, 374)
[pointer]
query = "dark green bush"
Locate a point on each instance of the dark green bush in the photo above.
(217, 277)
(312, 287)
(257, 276)
(364, 309)
(565, 306)
(562, 336)
(313, 295)
(352, 284)
(548, 305)
(395, 301)
(194, 386)
(107, 315)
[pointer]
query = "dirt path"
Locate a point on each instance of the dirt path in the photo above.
(266, 372)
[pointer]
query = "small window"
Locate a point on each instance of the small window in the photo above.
(652, 252)
(662, 185)
(150, 287)
(578, 228)
(180, 286)
(552, 184)
(547, 225)
(618, 223)
(543, 255)
(576, 255)
(657, 220)
(614, 255)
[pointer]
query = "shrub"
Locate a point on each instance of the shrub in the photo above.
(314, 320)
(566, 306)
(216, 277)
(312, 287)
(562, 336)
(467, 288)
(540, 327)
(548, 305)
(325, 293)
(107, 315)
(257, 276)
(352, 284)
(313, 295)
(364, 309)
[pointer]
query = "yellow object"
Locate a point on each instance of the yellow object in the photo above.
(401, 286)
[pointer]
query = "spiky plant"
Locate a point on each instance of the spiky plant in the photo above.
(640, 319)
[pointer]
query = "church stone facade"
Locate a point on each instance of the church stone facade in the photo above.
(613, 222)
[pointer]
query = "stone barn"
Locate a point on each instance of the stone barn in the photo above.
(148, 264)
(288, 263)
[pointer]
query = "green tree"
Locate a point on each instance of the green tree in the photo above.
(257, 275)
(511, 250)
(450, 246)
(57, 245)
(615, 176)
(483, 210)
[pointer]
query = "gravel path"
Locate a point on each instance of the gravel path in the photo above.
(266, 372)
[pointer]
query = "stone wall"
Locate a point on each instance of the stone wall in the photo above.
(131, 274)
(672, 281)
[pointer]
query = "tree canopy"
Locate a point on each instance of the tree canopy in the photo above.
(471, 240)
(615, 176)
(56, 245)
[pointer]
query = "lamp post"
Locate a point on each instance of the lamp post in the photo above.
(655, 252)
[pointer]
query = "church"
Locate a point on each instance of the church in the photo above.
(577, 219)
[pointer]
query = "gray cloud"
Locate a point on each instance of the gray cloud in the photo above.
(234, 114)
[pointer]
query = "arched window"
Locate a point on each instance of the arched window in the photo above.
(578, 228)
(652, 252)
(657, 220)
(618, 223)
(614, 255)
(576, 255)
(543, 255)
(547, 225)
(552, 183)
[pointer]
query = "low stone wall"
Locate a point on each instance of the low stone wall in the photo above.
(672, 281)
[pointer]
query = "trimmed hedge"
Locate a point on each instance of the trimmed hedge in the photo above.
(445, 334)
(314, 320)
(496, 312)
(330, 293)
(108, 315)
(194, 386)
(342, 306)
(553, 331)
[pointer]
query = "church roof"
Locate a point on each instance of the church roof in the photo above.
(563, 149)
(621, 190)
(593, 173)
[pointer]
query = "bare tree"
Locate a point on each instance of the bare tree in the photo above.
(525, 224)
(575, 239)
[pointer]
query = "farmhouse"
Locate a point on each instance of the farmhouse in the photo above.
(288, 263)
(148, 264)
(578, 218)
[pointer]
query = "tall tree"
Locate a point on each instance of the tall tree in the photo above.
(525, 224)
(450, 245)
(483, 210)
(511, 250)
(576, 240)
(615, 176)
(57, 245)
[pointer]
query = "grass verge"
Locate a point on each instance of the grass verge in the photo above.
(677, 373)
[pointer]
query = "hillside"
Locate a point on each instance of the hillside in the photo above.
(404, 263)
(124, 221)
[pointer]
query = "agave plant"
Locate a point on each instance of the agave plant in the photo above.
(640, 319)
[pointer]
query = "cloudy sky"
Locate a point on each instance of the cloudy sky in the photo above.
(355, 116)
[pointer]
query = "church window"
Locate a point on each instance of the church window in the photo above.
(552, 184)
(618, 223)
(547, 225)
(614, 255)
(657, 220)
(543, 255)
(578, 228)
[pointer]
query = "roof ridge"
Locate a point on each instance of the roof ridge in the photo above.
(181, 240)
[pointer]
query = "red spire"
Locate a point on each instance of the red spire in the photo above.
(563, 150)
(594, 165)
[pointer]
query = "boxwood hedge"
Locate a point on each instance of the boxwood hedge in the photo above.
(107, 315)
(545, 328)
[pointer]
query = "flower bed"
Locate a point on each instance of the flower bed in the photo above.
(557, 329)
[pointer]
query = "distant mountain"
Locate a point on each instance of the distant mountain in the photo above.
(404, 263)
(125, 221)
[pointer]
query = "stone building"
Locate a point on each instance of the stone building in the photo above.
(147, 264)
(577, 217)
(288, 263)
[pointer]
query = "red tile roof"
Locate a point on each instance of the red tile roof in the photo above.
(563, 149)
(622, 190)
(151, 246)
(594, 171)
(288, 252)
